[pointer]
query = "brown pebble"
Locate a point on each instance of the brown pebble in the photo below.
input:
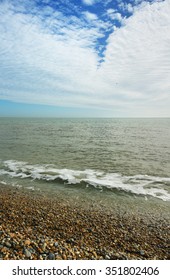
(27, 242)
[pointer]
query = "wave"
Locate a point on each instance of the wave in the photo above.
(138, 184)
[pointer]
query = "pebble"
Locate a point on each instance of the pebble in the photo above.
(44, 246)
(27, 253)
(107, 257)
(51, 256)
(27, 242)
(141, 252)
(7, 244)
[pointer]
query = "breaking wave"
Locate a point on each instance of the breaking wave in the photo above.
(138, 184)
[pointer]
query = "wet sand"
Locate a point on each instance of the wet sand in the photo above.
(38, 228)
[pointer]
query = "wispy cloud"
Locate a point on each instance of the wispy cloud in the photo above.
(89, 2)
(48, 56)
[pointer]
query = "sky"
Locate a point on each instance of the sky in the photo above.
(85, 58)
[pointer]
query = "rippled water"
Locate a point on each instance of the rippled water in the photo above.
(110, 159)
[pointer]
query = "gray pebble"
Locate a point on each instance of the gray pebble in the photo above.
(107, 257)
(141, 252)
(27, 253)
(51, 256)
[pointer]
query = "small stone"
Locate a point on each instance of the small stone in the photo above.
(58, 257)
(7, 244)
(56, 244)
(51, 256)
(12, 235)
(64, 257)
(44, 246)
(27, 242)
(94, 254)
(107, 257)
(44, 256)
(3, 250)
(141, 252)
(27, 253)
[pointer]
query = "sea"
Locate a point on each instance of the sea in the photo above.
(122, 163)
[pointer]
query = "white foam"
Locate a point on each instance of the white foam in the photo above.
(138, 184)
(3, 182)
(31, 188)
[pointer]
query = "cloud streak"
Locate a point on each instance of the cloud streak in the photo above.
(50, 57)
(89, 2)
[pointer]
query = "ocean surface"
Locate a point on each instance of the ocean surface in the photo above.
(123, 161)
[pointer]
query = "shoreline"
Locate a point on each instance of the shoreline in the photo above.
(37, 227)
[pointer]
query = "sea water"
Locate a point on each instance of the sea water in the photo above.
(123, 161)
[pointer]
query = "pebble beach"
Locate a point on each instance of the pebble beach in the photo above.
(35, 227)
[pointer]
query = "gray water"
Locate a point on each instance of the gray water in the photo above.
(111, 160)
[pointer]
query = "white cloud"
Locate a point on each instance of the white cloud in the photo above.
(138, 55)
(114, 15)
(90, 16)
(127, 7)
(130, 8)
(53, 60)
(89, 2)
(111, 11)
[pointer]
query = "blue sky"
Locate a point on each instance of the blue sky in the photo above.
(85, 58)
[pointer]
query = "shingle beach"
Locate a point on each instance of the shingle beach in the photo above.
(42, 228)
